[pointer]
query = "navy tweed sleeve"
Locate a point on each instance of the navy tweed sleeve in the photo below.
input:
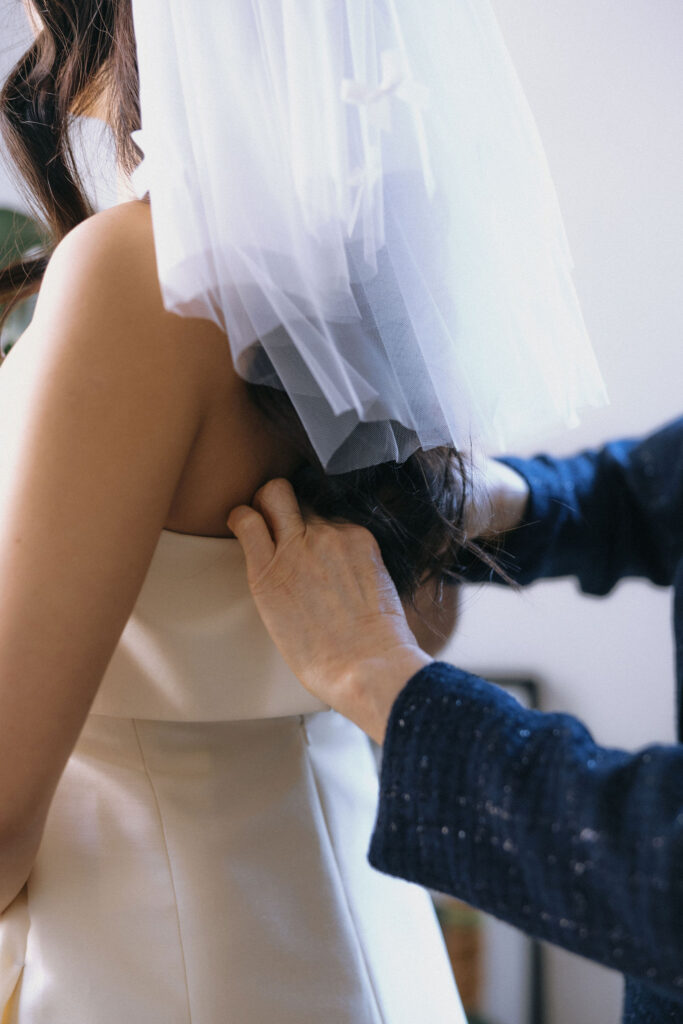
(521, 814)
(600, 516)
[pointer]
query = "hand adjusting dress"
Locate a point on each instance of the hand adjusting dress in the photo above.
(204, 858)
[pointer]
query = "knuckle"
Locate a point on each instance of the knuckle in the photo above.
(330, 533)
(272, 490)
(332, 539)
(325, 543)
(365, 540)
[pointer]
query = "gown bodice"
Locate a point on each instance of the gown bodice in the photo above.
(205, 854)
(194, 648)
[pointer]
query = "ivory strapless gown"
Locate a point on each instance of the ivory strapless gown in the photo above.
(204, 860)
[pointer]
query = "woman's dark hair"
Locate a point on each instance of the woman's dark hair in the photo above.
(86, 52)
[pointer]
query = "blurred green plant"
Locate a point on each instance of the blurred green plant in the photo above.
(19, 235)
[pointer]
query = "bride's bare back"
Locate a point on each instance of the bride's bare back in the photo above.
(235, 449)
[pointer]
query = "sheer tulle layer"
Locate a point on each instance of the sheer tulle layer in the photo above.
(357, 194)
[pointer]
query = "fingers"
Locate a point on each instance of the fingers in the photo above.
(252, 532)
(277, 503)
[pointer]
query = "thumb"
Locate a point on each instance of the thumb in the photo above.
(252, 532)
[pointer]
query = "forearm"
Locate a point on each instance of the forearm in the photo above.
(523, 815)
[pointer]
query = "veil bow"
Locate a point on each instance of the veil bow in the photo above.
(356, 193)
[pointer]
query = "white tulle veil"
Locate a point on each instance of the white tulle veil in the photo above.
(355, 191)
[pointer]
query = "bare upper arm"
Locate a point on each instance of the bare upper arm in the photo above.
(99, 407)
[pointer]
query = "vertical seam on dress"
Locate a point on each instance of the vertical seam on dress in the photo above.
(10, 1005)
(21, 900)
(168, 860)
(328, 833)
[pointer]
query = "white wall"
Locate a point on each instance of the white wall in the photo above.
(14, 33)
(98, 168)
(605, 80)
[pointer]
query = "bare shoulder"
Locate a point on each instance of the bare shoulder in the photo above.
(116, 236)
(123, 231)
(108, 260)
(101, 298)
(101, 312)
(100, 328)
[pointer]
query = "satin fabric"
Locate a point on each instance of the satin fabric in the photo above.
(204, 858)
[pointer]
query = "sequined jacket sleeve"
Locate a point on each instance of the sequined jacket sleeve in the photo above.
(600, 516)
(521, 814)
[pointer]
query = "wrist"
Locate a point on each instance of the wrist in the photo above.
(371, 686)
(511, 500)
(500, 502)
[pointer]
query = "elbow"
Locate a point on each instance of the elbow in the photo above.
(18, 849)
(9, 893)
(433, 617)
